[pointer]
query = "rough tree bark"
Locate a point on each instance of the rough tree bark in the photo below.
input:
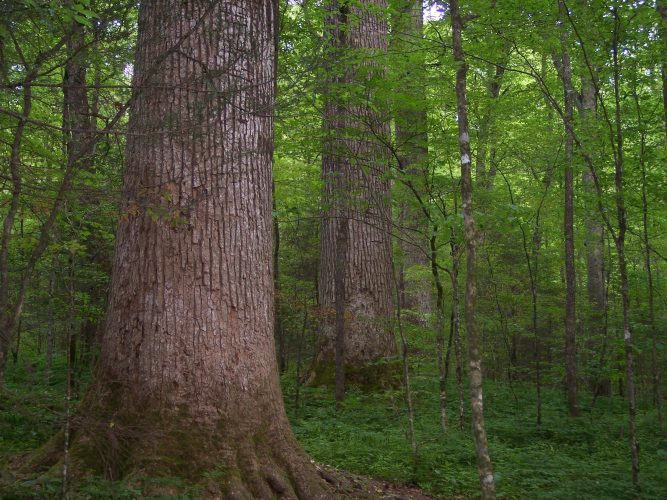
(187, 382)
(354, 162)
(484, 466)
(568, 224)
(339, 283)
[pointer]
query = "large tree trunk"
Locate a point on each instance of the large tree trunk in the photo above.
(484, 466)
(187, 382)
(411, 139)
(568, 227)
(353, 167)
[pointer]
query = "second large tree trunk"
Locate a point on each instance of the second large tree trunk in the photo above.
(354, 166)
(411, 143)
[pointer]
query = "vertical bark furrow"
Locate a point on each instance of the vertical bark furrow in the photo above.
(196, 219)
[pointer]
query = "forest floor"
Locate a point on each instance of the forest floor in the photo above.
(365, 444)
(359, 486)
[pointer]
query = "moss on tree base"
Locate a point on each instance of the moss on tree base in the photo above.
(379, 375)
(231, 457)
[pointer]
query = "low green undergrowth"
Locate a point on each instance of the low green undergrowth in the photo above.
(586, 457)
(563, 458)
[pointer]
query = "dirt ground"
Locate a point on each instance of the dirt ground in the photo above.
(356, 486)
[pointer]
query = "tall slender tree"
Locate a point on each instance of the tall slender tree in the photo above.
(662, 10)
(484, 466)
(618, 233)
(655, 369)
(619, 240)
(568, 222)
(12, 307)
(79, 128)
(79, 140)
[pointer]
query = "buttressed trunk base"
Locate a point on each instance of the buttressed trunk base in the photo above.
(187, 382)
(245, 453)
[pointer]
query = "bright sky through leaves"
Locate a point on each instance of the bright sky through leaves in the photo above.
(433, 11)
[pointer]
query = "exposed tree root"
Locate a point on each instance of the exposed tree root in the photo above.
(247, 456)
